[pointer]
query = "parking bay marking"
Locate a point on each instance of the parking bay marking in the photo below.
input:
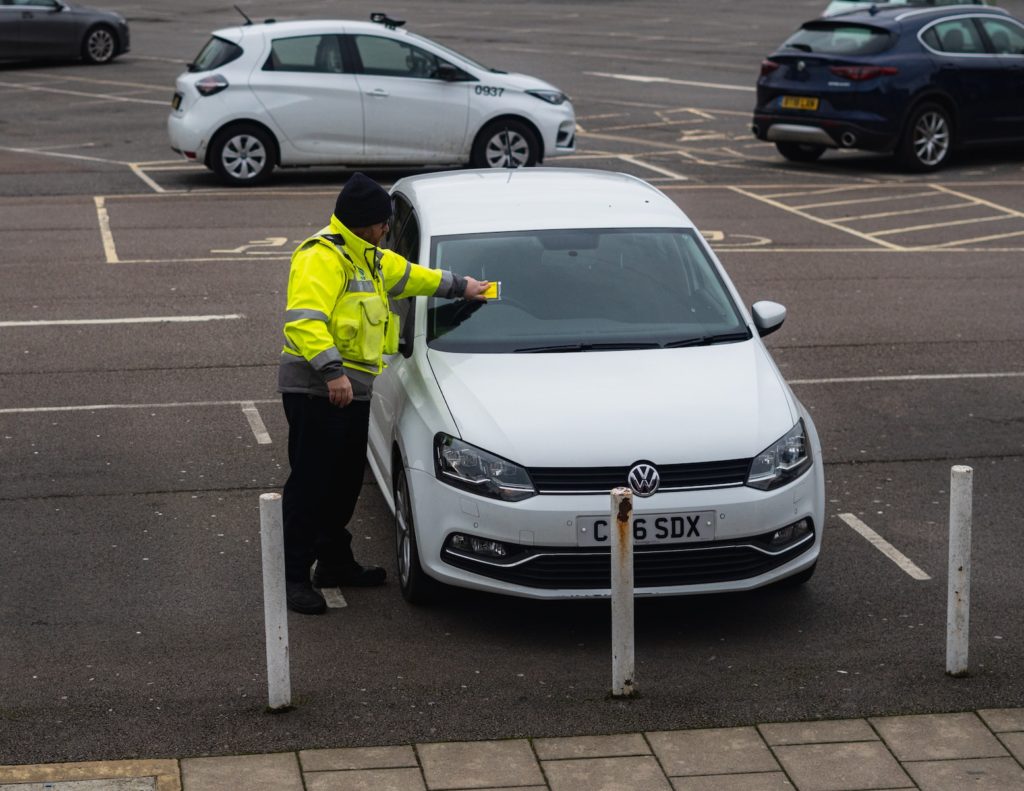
(136, 320)
(259, 429)
(885, 547)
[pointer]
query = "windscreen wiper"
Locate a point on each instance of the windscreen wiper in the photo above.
(588, 347)
(709, 340)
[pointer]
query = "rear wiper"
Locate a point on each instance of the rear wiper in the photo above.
(588, 347)
(801, 47)
(708, 340)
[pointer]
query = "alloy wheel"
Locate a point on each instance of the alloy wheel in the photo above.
(100, 45)
(403, 540)
(931, 138)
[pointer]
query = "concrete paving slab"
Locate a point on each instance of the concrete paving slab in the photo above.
(758, 781)
(591, 746)
(479, 764)
(159, 774)
(274, 772)
(357, 758)
(981, 774)
(366, 780)
(817, 732)
(641, 773)
(1000, 720)
(932, 737)
(842, 767)
(711, 751)
(1014, 742)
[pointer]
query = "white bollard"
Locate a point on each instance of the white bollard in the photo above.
(275, 611)
(958, 603)
(623, 684)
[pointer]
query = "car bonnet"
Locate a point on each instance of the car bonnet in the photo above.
(613, 408)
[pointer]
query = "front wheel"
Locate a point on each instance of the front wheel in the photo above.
(800, 152)
(99, 45)
(416, 586)
(242, 155)
(927, 139)
(505, 144)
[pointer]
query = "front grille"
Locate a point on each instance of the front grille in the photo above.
(586, 568)
(674, 477)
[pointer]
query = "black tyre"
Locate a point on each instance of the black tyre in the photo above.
(504, 139)
(416, 586)
(799, 578)
(800, 152)
(99, 44)
(927, 139)
(243, 155)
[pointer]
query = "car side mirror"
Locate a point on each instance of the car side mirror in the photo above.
(448, 72)
(768, 316)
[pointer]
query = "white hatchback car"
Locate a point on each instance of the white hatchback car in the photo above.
(356, 94)
(617, 346)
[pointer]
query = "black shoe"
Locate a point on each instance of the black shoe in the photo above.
(302, 598)
(354, 576)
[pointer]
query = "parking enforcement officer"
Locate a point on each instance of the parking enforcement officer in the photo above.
(338, 325)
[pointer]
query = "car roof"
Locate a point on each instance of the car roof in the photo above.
(892, 15)
(298, 27)
(483, 201)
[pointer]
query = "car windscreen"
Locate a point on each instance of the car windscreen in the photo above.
(581, 290)
(215, 53)
(839, 38)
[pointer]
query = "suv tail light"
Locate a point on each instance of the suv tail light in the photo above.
(208, 86)
(768, 66)
(861, 73)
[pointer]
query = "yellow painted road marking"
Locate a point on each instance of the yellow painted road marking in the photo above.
(912, 228)
(976, 199)
(806, 216)
(971, 241)
(164, 771)
(930, 193)
(881, 214)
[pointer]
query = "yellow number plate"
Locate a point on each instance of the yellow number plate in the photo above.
(800, 102)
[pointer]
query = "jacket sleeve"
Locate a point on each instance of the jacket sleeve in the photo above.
(314, 283)
(406, 279)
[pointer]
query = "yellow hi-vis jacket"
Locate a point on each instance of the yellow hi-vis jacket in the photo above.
(338, 318)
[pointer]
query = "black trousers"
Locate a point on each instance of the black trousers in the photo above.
(327, 454)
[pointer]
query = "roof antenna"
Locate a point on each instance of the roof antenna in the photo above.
(240, 11)
(383, 19)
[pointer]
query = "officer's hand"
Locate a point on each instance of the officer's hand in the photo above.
(475, 288)
(339, 391)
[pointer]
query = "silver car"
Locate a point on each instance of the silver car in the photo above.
(57, 30)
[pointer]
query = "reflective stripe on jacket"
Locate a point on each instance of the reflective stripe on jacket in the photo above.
(338, 318)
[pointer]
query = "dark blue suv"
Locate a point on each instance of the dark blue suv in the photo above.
(914, 82)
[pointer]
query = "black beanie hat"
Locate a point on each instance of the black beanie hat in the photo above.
(362, 203)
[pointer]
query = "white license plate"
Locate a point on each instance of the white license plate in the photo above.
(673, 528)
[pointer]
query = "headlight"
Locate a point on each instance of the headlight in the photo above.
(551, 97)
(467, 467)
(782, 461)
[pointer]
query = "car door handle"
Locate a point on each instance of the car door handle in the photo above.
(377, 92)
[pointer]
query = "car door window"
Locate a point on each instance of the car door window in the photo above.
(1006, 38)
(50, 4)
(318, 54)
(406, 235)
(390, 58)
(959, 37)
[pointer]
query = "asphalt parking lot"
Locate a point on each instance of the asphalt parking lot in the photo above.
(140, 327)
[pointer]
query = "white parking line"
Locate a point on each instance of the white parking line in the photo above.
(842, 380)
(100, 407)
(104, 96)
(259, 430)
(335, 600)
(103, 217)
(138, 320)
(885, 547)
(641, 78)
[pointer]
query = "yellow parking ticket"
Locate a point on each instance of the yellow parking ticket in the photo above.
(493, 290)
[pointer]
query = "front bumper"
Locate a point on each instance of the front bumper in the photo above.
(546, 561)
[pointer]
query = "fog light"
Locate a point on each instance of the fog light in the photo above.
(459, 541)
(494, 549)
(790, 533)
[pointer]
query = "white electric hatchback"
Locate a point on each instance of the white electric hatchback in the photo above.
(618, 353)
(336, 92)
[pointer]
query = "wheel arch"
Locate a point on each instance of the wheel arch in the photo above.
(944, 100)
(522, 119)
